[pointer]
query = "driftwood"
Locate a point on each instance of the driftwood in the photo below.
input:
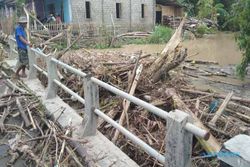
(22, 112)
(234, 98)
(69, 31)
(126, 104)
(169, 49)
(52, 39)
(169, 66)
(211, 145)
(60, 54)
(5, 114)
(239, 108)
(221, 109)
(241, 116)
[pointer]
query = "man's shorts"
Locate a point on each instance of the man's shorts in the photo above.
(23, 57)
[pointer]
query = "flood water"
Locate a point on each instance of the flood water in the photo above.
(220, 47)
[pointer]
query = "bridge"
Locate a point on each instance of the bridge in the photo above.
(179, 133)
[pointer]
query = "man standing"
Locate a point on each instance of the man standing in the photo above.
(22, 43)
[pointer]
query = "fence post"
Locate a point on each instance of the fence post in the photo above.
(91, 96)
(32, 61)
(178, 140)
(52, 75)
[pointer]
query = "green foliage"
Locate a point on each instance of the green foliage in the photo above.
(241, 16)
(161, 34)
(190, 6)
(205, 8)
(203, 29)
(19, 7)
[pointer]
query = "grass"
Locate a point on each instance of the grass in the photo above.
(161, 34)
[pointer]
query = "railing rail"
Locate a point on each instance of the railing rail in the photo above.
(179, 124)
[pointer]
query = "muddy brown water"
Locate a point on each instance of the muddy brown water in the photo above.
(220, 47)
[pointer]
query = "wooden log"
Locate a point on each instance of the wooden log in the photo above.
(221, 109)
(234, 98)
(241, 116)
(52, 39)
(211, 145)
(5, 114)
(28, 23)
(239, 108)
(169, 66)
(69, 31)
(169, 48)
(22, 112)
(31, 118)
(127, 103)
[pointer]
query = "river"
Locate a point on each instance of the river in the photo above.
(220, 47)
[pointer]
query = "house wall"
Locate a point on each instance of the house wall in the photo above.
(171, 11)
(40, 10)
(57, 4)
(102, 10)
(60, 5)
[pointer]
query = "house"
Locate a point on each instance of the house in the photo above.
(167, 9)
(124, 15)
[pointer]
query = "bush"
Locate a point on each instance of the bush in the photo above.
(161, 34)
(203, 29)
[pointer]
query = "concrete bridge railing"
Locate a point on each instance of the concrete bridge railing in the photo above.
(180, 129)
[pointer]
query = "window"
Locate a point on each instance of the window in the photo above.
(142, 10)
(118, 10)
(87, 6)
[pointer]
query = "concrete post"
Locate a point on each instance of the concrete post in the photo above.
(52, 75)
(32, 61)
(91, 96)
(178, 140)
(12, 47)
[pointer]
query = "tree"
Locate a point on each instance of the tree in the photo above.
(205, 8)
(190, 6)
(241, 17)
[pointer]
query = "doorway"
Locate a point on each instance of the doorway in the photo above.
(158, 17)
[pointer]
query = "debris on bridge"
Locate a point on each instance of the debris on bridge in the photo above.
(28, 135)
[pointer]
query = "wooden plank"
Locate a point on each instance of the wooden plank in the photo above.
(218, 113)
(127, 103)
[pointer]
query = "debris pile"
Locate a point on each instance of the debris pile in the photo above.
(191, 23)
(28, 135)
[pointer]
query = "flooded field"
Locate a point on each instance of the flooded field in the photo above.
(220, 47)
